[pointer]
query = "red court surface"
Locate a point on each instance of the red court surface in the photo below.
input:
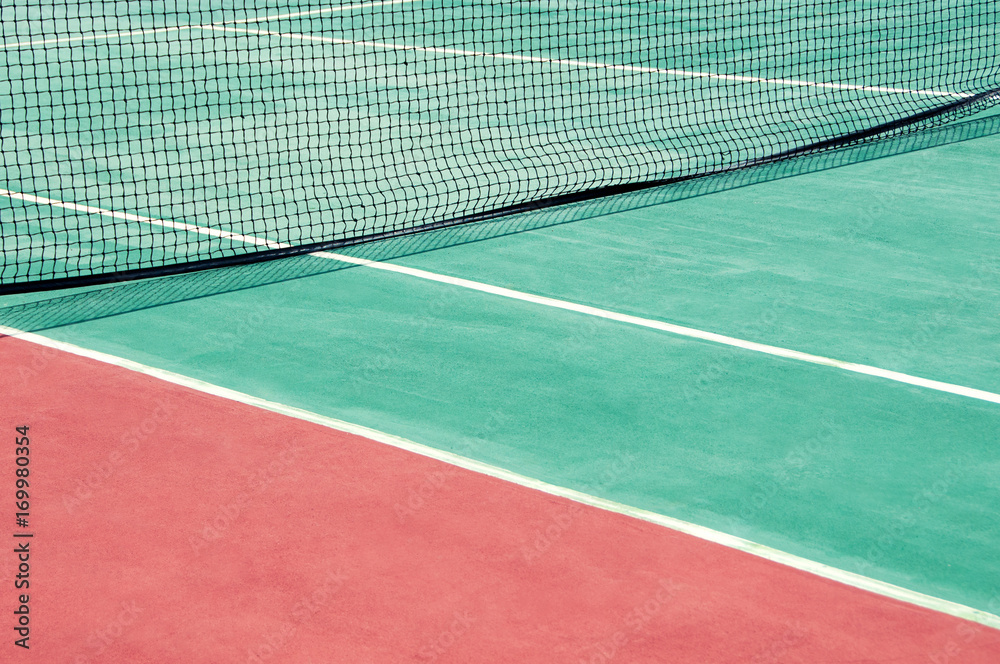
(174, 526)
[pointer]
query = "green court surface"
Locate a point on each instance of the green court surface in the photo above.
(890, 263)
(801, 353)
(297, 124)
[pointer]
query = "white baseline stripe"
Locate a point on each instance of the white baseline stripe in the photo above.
(678, 330)
(692, 529)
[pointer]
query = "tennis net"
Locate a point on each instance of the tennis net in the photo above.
(143, 138)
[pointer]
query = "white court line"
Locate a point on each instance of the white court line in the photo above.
(692, 529)
(679, 330)
(83, 38)
(681, 73)
(593, 65)
(316, 12)
(125, 216)
(151, 31)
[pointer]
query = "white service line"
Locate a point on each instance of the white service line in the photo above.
(152, 31)
(681, 73)
(316, 12)
(701, 532)
(593, 65)
(125, 216)
(679, 330)
(98, 37)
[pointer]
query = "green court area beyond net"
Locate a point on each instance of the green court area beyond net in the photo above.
(142, 138)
